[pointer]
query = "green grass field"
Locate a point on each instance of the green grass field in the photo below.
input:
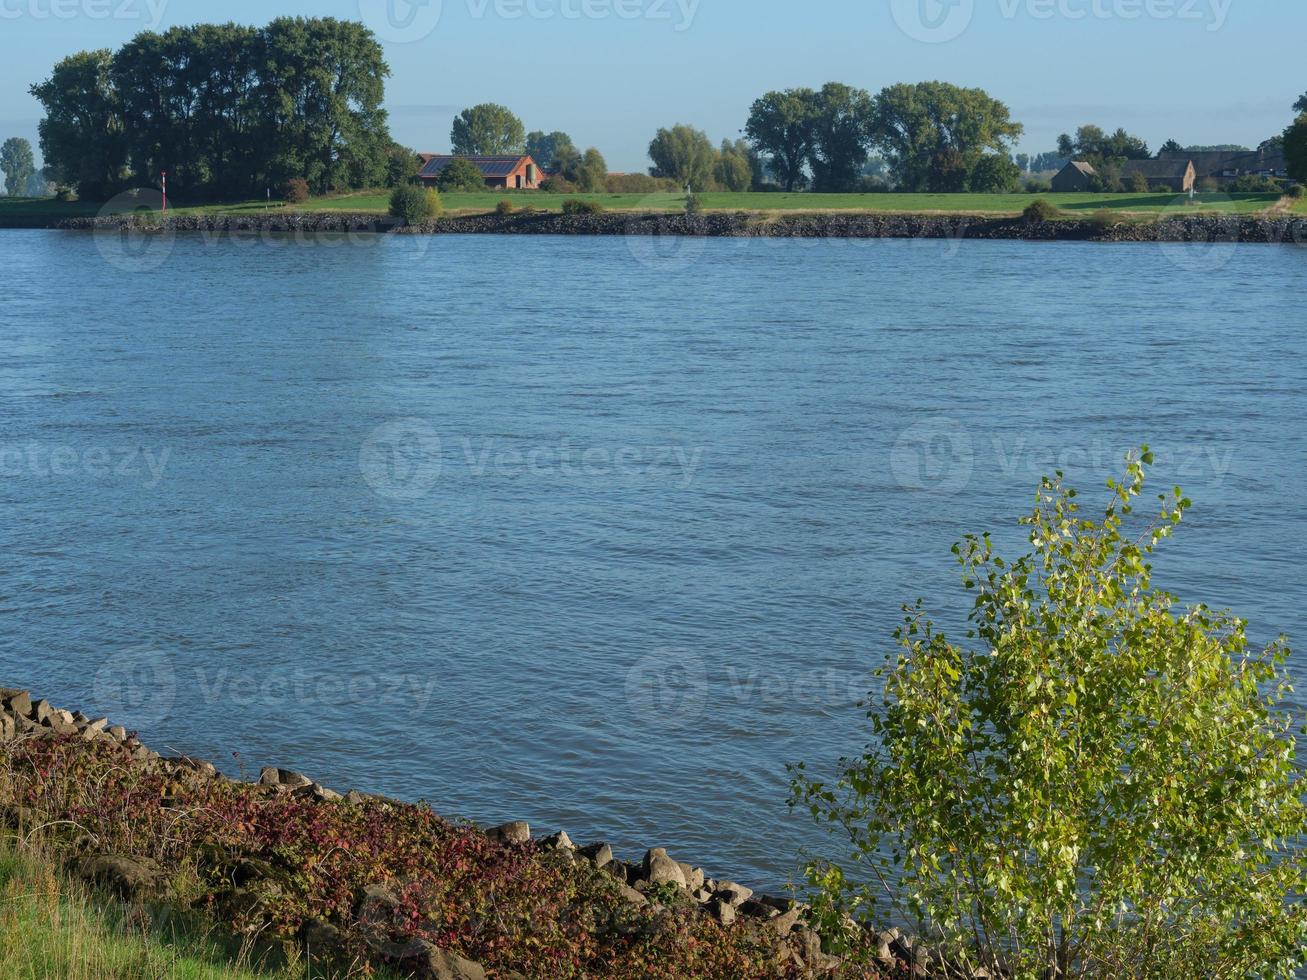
(1072, 205)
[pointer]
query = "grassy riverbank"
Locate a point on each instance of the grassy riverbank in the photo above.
(1072, 206)
(53, 927)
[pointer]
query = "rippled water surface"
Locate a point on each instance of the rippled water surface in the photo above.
(592, 532)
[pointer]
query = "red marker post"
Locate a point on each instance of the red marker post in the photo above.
(164, 175)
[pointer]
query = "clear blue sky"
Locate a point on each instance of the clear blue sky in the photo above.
(611, 72)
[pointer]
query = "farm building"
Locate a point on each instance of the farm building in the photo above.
(1162, 175)
(508, 172)
(1075, 176)
(1223, 165)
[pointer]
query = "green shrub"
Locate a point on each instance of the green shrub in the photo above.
(1254, 185)
(1037, 185)
(693, 203)
(1104, 786)
(1104, 220)
(557, 184)
(1297, 192)
(504, 207)
(413, 205)
(296, 191)
(1040, 209)
(461, 175)
(579, 206)
(64, 194)
(1139, 184)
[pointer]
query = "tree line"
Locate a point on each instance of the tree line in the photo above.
(226, 110)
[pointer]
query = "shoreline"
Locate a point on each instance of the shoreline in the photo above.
(625, 898)
(1202, 229)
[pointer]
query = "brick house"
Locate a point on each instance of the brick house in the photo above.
(500, 172)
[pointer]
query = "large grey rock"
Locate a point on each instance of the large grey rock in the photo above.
(600, 854)
(423, 960)
(660, 869)
(515, 832)
(284, 778)
(131, 877)
(723, 911)
(736, 895)
(557, 842)
(694, 877)
(20, 703)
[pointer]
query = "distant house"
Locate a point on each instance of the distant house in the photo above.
(1075, 176)
(1226, 165)
(508, 172)
(1176, 174)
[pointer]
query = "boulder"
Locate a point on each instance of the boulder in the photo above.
(631, 895)
(660, 869)
(755, 909)
(600, 854)
(694, 877)
(423, 960)
(620, 870)
(20, 703)
(118, 733)
(516, 832)
(131, 877)
(723, 912)
(729, 891)
(557, 842)
(8, 728)
(284, 778)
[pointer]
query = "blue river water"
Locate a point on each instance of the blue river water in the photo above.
(596, 533)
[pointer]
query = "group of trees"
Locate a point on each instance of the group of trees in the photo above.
(226, 110)
(18, 164)
(931, 136)
(686, 157)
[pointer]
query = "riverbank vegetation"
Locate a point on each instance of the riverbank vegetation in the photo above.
(1100, 784)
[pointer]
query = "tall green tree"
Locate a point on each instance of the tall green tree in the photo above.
(18, 164)
(1301, 105)
(82, 136)
(919, 128)
(780, 127)
(995, 173)
(544, 148)
(592, 172)
(488, 130)
(734, 170)
(1170, 146)
(841, 135)
(684, 154)
(1295, 148)
(1096, 146)
(321, 90)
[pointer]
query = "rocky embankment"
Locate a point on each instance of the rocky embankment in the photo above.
(242, 872)
(743, 224)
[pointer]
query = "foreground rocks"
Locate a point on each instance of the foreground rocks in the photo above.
(1172, 227)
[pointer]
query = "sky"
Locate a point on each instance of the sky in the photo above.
(611, 72)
